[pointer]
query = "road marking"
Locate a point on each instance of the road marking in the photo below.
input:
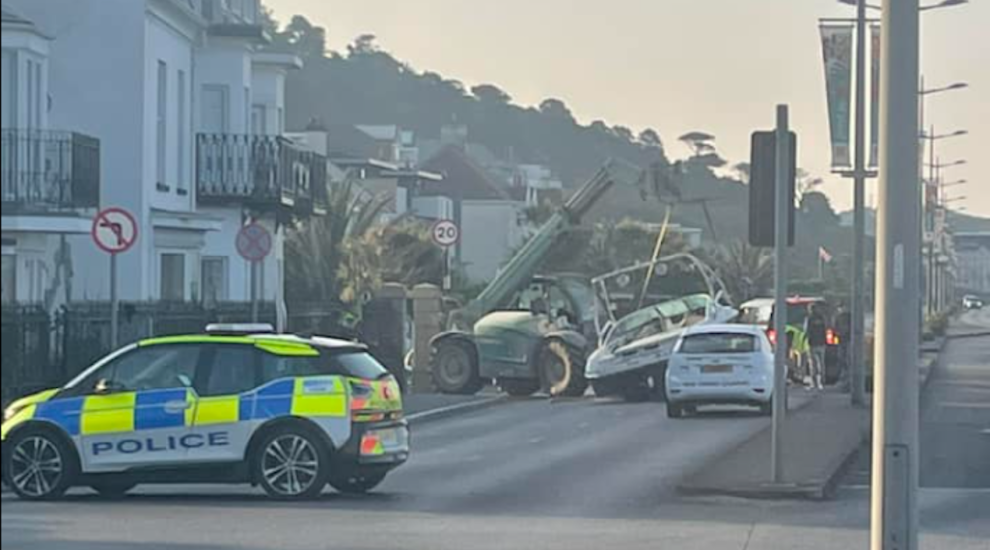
(957, 405)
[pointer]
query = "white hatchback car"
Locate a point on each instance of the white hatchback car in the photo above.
(720, 365)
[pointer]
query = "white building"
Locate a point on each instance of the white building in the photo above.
(188, 107)
(972, 252)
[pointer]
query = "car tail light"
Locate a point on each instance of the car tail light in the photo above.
(772, 335)
(831, 338)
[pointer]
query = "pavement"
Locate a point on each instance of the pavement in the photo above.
(822, 441)
(819, 439)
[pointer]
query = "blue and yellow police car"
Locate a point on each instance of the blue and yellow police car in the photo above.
(238, 404)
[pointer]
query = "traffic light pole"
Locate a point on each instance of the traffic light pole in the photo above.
(783, 204)
(894, 504)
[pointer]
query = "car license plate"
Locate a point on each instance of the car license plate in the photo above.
(716, 369)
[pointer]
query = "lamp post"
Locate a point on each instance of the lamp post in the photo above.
(930, 206)
(859, 174)
(894, 499)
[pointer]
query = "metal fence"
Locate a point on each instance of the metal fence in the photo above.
(41, 351)
(49, 170)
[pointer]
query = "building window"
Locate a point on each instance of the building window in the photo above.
(259, 120)
(9, 279)
(162, 125)
(214, 274)
(8, 89)
(214, 108)
(181, 128)
(173, 277)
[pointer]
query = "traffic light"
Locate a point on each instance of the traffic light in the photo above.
(762, 189)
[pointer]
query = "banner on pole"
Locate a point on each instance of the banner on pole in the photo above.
(875, 99)
(837, 47)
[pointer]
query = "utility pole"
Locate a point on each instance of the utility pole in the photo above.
(857, 342)
(894, 504)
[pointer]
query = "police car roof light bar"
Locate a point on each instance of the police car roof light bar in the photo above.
(239, 329)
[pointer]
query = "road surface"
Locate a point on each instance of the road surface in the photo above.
(526, 475)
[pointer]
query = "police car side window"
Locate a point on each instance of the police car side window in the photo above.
(275, 367)
(232, 371)
(151, 368)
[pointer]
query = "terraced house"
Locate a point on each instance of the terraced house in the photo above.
(171, 109)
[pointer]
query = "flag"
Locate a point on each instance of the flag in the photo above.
(837, 49)
(824, 255)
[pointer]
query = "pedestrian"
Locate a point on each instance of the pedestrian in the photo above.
(843, 330)
(816, 332)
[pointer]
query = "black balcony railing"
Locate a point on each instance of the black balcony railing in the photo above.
(262, 170)
(49, 171)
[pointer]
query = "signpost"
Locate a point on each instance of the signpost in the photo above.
(771, 224)
(254, 244)
(446, 234)
(114, 231)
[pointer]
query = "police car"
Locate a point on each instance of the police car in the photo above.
(238, 404)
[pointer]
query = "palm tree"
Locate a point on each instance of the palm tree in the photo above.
(747, 270)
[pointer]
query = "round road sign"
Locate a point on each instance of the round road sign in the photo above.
(114, 230)
(446, 233)
(254, 242)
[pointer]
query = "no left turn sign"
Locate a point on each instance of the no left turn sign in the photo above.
(114, 230)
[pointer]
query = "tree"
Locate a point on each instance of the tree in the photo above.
(700, 143)
(806, 183)
(557, 109)
(624, 133)
(742, 171)
(306, 39)
(747, 271)
(650, 138)
(363, 45)
(490, 94)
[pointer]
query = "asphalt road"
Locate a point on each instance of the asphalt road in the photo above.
(955, 415)
(525, 475)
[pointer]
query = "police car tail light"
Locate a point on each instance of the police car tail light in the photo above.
(371, 444)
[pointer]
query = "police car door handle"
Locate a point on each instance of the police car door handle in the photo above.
(177, 406)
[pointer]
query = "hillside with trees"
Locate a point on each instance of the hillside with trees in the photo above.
(367, 85)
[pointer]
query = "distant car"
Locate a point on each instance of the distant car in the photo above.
(720, 365)
(972, 302)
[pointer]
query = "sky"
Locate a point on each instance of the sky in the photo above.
(718, 66)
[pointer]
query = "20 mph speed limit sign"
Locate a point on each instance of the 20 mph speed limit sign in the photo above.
(446, 233)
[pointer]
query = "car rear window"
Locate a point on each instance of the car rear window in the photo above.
(719, 343)
(357, 364)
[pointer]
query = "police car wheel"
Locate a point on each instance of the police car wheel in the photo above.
(292, 464)
(674, 410)
(39, 466)
(357, 484)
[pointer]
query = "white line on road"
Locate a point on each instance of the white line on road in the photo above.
(951, 405)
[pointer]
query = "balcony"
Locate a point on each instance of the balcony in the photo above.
(45, 171)
(263, 172)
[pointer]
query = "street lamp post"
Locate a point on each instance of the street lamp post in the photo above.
(894, 506)
(857, 339)
(932, 275)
